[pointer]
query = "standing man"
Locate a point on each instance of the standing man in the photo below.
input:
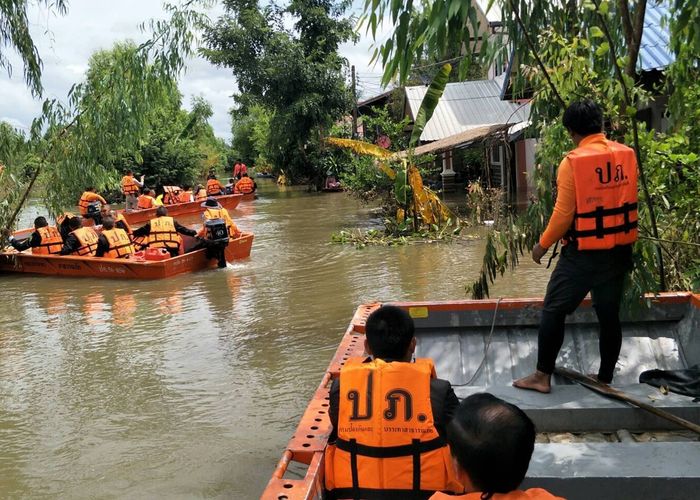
(130, 188)
(239, 168)
(596, 214)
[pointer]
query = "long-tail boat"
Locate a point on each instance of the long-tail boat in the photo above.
(588, 446)
(130, 268)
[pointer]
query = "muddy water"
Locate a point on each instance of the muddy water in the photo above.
(190, 387)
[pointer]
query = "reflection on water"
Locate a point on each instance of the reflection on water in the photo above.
(191, 386)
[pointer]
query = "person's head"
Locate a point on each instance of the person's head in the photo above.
(238, 160)
(211, 203)
(105, 210)
(75, 223)
(491, 442)
(40, 222)
(231, 180)
(107, 223)
(90, 189)
(129, 172)
(161, 211)
(199, 187)
(244, 174)
(186, 187)
(211, 176)
(583, 118)
(389, 334)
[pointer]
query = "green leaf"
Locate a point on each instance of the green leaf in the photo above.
(429, 103)
(596, 32)
(603, 49)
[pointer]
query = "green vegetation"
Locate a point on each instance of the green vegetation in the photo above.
(292, 78)
(566, 53)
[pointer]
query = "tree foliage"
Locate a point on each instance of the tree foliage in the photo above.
(295, 74)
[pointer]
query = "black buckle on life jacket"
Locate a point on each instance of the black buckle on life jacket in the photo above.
(600, 230)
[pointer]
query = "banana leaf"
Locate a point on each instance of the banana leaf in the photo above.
(429, 103)
(360, 147)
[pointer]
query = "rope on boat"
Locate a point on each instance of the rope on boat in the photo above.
(486, 347)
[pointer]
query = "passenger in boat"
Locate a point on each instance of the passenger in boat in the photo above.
(130, 188)
(82, 241)
(164, 232)
(62, 222)
(245, 185)
(388, 412)
(214, 187)
(596, 216)
(45, 240)
(239, 168)
(214, 210)
(119, 219)
(185, 195)
(491, 443)
(146, 200)
(228, 188)
(90, 204)
(171, 195)
(200, 194)
(113, 242)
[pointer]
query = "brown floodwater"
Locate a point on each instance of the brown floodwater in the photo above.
(190, 387)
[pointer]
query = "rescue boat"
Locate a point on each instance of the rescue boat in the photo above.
(131, 268)
(249, 196)
(588, 446)
(228, 201)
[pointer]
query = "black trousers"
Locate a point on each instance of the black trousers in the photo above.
(601, 272)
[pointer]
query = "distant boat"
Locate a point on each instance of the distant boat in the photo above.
(586, 442)
(228, 201)
(131, 268)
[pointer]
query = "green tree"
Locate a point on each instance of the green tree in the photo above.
(296, 74)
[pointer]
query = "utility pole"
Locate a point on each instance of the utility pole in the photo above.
(354, 105)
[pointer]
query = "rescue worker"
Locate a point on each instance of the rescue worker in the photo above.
(131, 188)
(119, 219)
(492, 442)
(113, 243)
(200, 194)
(164, 232)
(171, 195)
(146, 200)
(596, 213)
(213, 210)
(185, 195)
(246, 185)
(214, 187)
(82, 241)
(239, 168)
(389, 414)
(45, 240)
(90, 204)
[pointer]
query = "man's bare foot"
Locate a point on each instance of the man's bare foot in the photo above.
(538, 381)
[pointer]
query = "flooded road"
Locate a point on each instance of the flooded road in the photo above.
(190, 387)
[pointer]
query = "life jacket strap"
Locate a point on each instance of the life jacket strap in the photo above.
(372, 494)
(603, 231)
(406, 450)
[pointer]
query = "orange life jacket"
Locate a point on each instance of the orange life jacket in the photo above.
(245, 185)
(185, 197)
(87, 237)
(606, 196)
(201, 195)
(86, 199)
(385, 428)
(129, 187)
(120, 218)
(529, 494)
(163, 233)
(64, 217)
(145, 201)
(222, 213)
(51, 241)
(119, 243)
(214, 187)
(171, 195)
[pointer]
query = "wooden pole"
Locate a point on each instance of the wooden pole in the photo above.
(354, 104)
(611, 392)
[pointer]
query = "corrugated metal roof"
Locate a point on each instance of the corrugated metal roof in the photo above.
(464, 106)
(655, 50)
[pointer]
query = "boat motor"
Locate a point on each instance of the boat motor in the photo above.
(216, 231)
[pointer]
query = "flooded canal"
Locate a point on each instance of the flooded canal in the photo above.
(190, 387)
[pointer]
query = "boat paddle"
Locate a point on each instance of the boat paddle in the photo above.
(606, 390)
